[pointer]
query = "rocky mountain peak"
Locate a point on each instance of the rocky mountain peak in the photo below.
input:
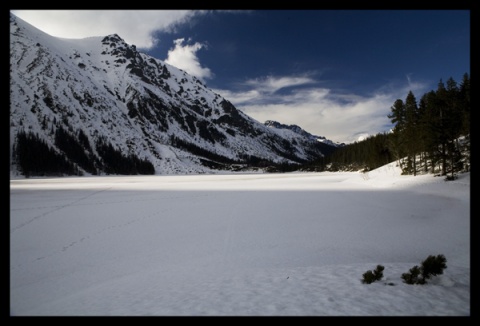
(109, 100)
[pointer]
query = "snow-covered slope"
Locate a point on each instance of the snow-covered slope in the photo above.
(301, 131)
(106, 90)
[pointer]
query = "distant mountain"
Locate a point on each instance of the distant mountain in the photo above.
(300, 131)
(97, 105)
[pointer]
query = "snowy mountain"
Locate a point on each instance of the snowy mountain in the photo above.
(304, 133)
(98, 99)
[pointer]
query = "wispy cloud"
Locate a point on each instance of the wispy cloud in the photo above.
(272, 84)
(264, 90)
(134, 26)
(239, 97)
(184, 56)
(341, 117)
(414, 85)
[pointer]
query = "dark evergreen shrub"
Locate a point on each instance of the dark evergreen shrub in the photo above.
(372, 276)
(432, 266)
(413, 277)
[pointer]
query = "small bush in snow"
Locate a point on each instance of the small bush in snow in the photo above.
(432, 266)
(413, 277)
(372, 276)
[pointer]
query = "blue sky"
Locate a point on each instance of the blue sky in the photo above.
(335, 73)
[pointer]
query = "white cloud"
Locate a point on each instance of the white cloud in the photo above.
(337, 122)
(239, 97)
(259, 90)
(272, 84)
(134, 26)
(184, 56)
(338, 117)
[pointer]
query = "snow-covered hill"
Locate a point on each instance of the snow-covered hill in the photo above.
(102, 90)
(301, 131)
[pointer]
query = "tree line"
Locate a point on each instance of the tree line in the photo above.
(115, 162)
(34, 157)
(433, 134)
(429, 135)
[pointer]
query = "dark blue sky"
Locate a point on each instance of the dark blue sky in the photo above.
(355, 51)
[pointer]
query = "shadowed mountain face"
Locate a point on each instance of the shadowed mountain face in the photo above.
(100, 106)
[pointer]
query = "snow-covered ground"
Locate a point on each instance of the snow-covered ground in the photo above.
(238, 244)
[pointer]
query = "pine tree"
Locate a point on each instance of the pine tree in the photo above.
(423, 131)
(410, 132)
(398, 118)
(465, 103)
(453, 126)
(440, 123)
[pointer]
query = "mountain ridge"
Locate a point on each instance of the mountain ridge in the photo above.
(110, 95)
(299, 130)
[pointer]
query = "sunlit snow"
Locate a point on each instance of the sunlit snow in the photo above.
(238, 244)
